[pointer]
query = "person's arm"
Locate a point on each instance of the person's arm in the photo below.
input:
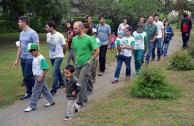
(45, 67)
(64, 49)
(19, 52)
(146, 43)
(95, 54)
(42, 76)
(78, 88)
(156, 33)
(162, 34)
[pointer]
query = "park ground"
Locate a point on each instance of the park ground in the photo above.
(110, 105)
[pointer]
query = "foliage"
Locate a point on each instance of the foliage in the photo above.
(181, 61)
(152, 83)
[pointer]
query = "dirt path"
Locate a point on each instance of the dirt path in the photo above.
(14, 115)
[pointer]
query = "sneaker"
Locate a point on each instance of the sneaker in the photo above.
(53, 92)
(49, 104)
(77, 110)
(28, 109)
(67, 118)
(40, 96)
(26, 96)
(115, 81)
(100, 73)
(127, 78)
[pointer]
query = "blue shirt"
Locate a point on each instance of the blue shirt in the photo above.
(103, 32)
(27, 37)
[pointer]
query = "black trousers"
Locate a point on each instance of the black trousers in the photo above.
(102, 57)
(185, 38)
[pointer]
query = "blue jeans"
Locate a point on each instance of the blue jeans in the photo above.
(26, 65)
(120, 60)
(157, 43)
(165, 47)
(70, 56)
(150, 46)
(57, 77)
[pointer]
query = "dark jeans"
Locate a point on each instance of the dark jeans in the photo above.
(120, 60)
(150, 46)
(57, 77)
(185, 38)
(26, 65)
(102, 57)
(157, 43)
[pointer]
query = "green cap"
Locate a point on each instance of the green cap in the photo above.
(32, 46)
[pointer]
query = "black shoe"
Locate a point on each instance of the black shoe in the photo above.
(53, 92)
(26, 96)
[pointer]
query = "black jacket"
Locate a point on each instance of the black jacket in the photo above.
(72, 85)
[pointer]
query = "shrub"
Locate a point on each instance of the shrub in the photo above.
(152, 83)
(181, 61)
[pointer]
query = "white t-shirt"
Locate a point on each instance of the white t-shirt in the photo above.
(56, 42)
(130, 41)
(39, 64)
(160, 26)
(139, 40)
(122, 27)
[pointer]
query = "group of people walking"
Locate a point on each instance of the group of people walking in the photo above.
(87, 44)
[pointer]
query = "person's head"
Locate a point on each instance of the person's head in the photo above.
(23, 21)
(87, 29)
(78, 27)
(94, 32)
(128, 31)
(185, 15)
(50, 26)
(120, 34)
(89, 19)
(166, 23)
(124, 21)
(69, 71)
(140, 27)
(156, 17)
(33, 49)
(102, 19)
(141, 20)
(69, 24)
(150, 19)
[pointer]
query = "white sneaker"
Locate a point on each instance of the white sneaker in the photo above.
(28, 109)
(49, 104)
(67, 118)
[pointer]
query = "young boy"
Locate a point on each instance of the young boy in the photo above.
(39, 69)
(72, 87)
(112, 44)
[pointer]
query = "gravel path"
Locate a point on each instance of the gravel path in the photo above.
(14, 115)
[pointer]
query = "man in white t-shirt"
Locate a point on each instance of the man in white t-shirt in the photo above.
(57, 49)
(159, 39)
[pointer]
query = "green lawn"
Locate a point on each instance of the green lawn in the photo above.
(11, 77)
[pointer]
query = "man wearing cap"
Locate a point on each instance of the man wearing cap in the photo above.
(27, 36)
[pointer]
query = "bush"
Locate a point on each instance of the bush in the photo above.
(152, 83)
(181, 61)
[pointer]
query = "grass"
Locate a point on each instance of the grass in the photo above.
(10, 77)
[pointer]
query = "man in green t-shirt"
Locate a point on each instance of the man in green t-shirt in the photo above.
(83, 46)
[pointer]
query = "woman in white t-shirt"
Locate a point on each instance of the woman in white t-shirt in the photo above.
(124, 47)
(122, 26)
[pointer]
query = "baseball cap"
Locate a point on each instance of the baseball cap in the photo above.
(32, 46)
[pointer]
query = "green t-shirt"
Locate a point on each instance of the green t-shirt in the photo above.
(151, 30)
(84, 46)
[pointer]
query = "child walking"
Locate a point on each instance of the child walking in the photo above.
(39, 69)
(124, 53)
(112, 44)
(141, 44)
(72, 87)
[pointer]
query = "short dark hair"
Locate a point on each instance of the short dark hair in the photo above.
(25, 19)
(51, 24)
(89, 28)
(71, 68)
(129, 28)
(156, 15)
(101, 17)
(140, 25)
(185, 15)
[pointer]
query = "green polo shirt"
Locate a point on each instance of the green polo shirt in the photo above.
(151, 30)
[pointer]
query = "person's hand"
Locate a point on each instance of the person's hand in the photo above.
(65, 90)
(16, 63)
(74, 93)
(163, 39)
(40, 79)
(90, 62)
(152, 40)
(108, 47)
